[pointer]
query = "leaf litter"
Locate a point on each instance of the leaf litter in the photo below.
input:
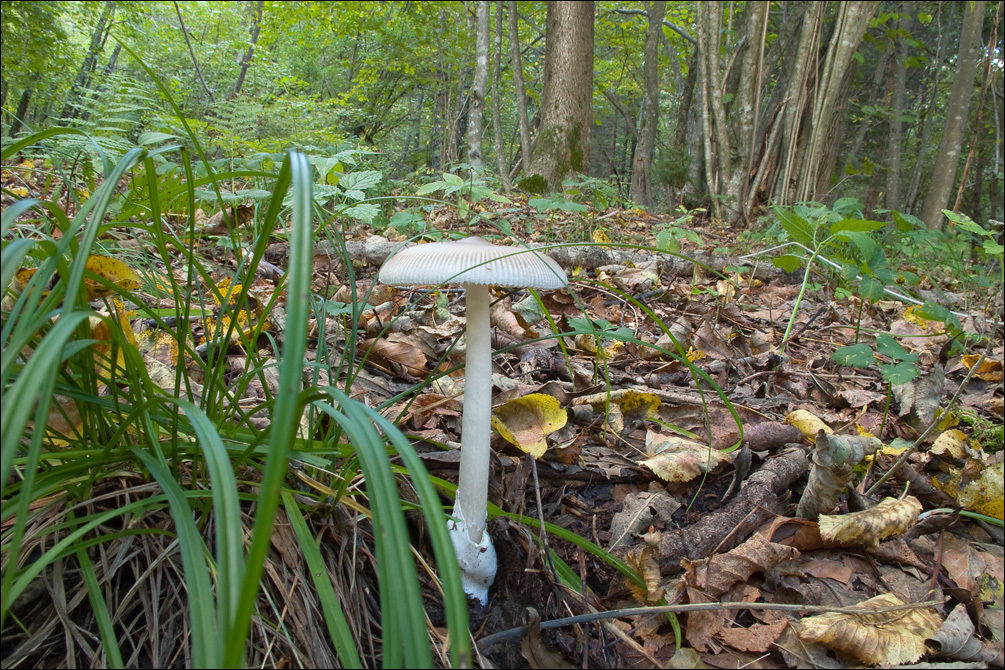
(633, 422)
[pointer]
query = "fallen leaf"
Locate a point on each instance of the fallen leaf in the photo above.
(807, 422)
(890, 517)
(891, 638)
(525, 422)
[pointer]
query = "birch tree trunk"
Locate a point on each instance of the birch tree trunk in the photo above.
(496, 114)
(476, 111)
(641, 192)
(958, 109)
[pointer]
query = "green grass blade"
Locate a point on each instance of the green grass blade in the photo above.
(226, 514)
(105, 628)
(286, 410)
(338, 627)
(454, 599)
(406, 642)
(207, 643)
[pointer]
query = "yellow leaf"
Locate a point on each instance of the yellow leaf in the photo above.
(525, 422)
(680, 460)
(636, 405)
(600, 236)
(951, 443)
(868, 527)
(112, 269)
(889, 638)
(808, 423)
(989, 371)
(985, 493)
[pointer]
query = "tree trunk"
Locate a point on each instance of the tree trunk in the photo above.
(256, 26)
(923, 130)
(852, 21)
(797, 102)
(90, 61)
(22, 106)
(563, 143)
(496, 112)
(191, 52)
(642, 163)
(521, 93)
(476, 111)
(896, 137)
(958, 108)
(746, 106)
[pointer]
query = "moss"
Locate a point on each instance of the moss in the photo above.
(575, 149)
(535, 183)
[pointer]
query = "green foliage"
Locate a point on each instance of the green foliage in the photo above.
(190, 433)
(670, 235)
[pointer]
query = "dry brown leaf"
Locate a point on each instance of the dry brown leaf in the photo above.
(403, 353)
(890, 517)
(891, 638)
(534, 649)
(720, 572)
(644, 561)
(678, 459)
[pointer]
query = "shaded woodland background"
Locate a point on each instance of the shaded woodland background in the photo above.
(726, 106)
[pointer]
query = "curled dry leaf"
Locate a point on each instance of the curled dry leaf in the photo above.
(834, 459)
(534, 648)
(874, 637)
(525, 422)
(889, 517)
(643, 559)
(680, 460)
(956, 640)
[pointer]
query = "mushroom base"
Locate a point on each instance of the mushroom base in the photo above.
(477, 559)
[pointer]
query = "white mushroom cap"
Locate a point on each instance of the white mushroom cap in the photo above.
(472, 261)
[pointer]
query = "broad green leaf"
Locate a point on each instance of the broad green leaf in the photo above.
(856, 356)
(888, 346)
(361, 180)
(966, 223)
(365, 212)
(797, 227)
(901, 373)
(871, 289)
(788, 262)
(859, 225)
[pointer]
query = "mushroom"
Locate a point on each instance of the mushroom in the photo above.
(476, 264)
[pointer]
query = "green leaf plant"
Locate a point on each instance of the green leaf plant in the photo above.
(97, 455)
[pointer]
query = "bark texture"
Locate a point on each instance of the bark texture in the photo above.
(642, 162)
(476, 112)
(958, 110)
(563, 144)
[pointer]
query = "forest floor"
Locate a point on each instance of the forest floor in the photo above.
(693, 416)
(632, 472)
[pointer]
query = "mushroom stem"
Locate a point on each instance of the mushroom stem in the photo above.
(474, 549)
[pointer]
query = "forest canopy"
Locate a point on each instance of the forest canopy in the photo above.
(743, 103)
